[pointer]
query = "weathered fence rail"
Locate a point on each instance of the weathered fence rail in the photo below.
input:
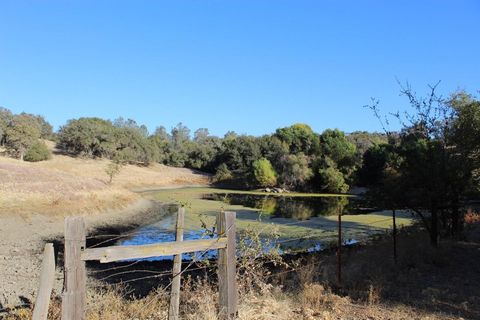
(47, 276)
(73, 302)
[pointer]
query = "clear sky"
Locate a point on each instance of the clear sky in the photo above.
(247, 66)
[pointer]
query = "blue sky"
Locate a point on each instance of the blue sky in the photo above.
(247, 66)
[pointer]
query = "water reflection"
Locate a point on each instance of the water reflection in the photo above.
(299, 208)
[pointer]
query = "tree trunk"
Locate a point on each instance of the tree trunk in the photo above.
(434, 228)
(443, 219)
(457, 223)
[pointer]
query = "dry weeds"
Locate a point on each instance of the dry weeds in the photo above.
(364, 295)
(314, 302)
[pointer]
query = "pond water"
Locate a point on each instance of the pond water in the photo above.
(163, 231)
(301, 223)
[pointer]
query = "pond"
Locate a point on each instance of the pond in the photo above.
(292, 222)
(294, 207)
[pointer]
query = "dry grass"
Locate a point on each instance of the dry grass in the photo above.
(67, 185)
(313, 302)
(378, 292)
(25, 188)
(130, 175)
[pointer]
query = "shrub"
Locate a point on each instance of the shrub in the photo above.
(264, 173)
(332, 180)
(222, 174)
(38, 152)
(295, 170)
(113, 169)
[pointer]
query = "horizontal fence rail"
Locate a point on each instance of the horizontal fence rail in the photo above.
(119, 253)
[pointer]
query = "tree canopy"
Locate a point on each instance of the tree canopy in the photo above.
(432, 166)
(299, 138)
(21, 133)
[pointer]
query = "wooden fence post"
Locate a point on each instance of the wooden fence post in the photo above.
(73, 301)
(227, 284)
(47, 275)
(339, 250)
(173, 311)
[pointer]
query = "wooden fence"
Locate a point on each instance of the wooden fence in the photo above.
(76, 253)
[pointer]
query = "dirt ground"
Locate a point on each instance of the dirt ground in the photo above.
(23, 237)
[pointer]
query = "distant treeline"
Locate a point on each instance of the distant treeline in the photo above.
(442, 132)
(294, 157)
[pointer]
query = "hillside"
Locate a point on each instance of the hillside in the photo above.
(66, 185)
(35, 196)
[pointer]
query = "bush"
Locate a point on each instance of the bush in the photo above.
(264, 173)
(112, 169)
(222, 174)
(332, 180)
(295, 171)
(38, 152)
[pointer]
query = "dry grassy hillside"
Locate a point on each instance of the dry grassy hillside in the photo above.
(65, 185)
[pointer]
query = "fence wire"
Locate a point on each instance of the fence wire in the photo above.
(160, 274)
